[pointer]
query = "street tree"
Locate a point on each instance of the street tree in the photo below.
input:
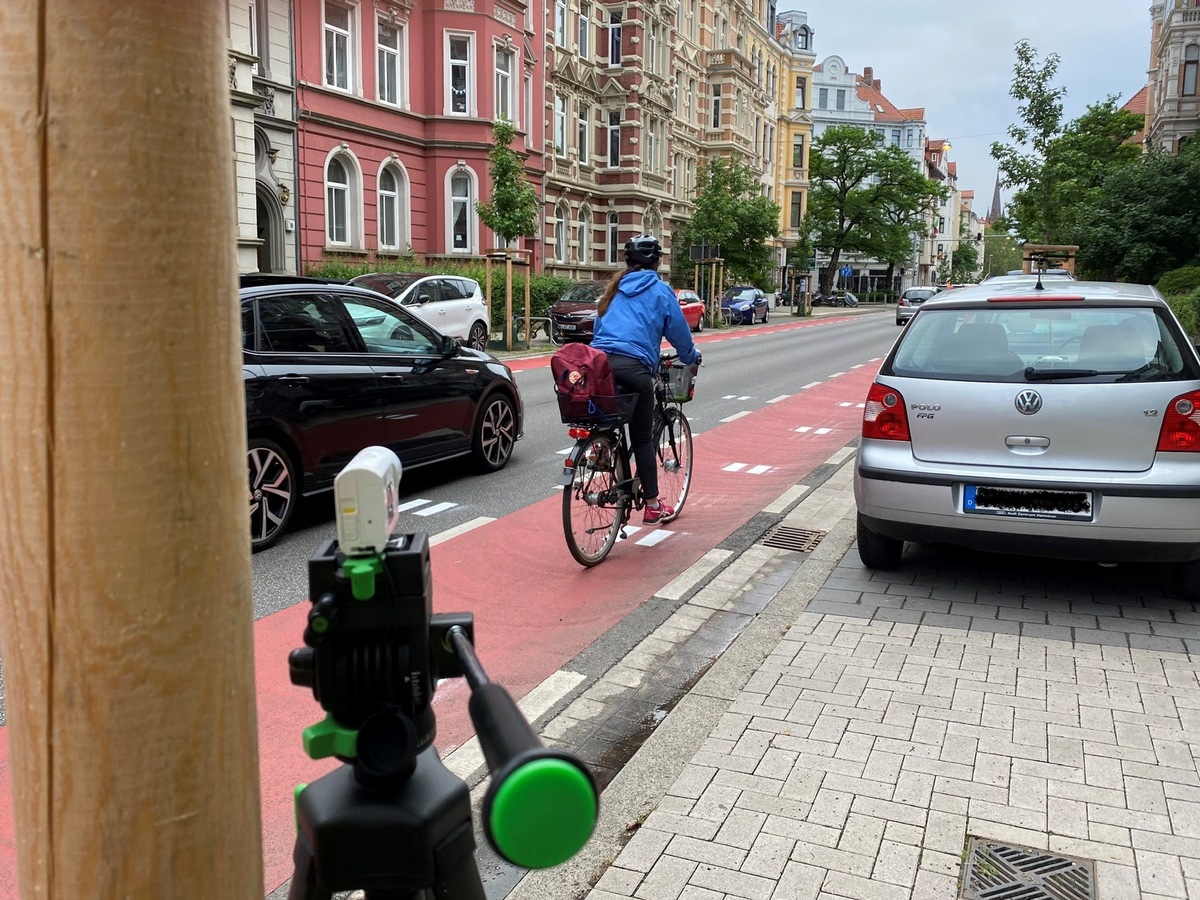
(865, 198)
(512, 210)
(733, 214)
(1022, 164)
(1001, 250)
(964, 264)
(1144, 220)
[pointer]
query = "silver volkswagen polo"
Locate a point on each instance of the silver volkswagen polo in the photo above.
(1059, 421)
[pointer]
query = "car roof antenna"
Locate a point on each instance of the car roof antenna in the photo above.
(1040, 262)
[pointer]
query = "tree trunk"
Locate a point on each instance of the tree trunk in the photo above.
(125, 611)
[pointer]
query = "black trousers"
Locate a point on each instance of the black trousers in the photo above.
(633, 377)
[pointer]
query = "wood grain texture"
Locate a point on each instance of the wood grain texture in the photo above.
(126, 616)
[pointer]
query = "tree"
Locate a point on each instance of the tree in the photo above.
(964, 267)
(864, 197)
(512, 210)
(1040, 108)
(1001, 251)
(732, 214)
(1144, 220)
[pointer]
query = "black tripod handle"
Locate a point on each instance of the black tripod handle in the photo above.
(542, 804)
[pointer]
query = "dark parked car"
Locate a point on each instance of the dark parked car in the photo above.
(573, 315)
(330, 369)
(744, 303)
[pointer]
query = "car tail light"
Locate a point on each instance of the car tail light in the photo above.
(903, 302)
(579, 433)
(1181, 425)
(884, 417)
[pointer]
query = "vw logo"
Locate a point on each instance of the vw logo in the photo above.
(1028, 402)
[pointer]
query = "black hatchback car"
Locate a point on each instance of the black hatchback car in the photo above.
(330, 369)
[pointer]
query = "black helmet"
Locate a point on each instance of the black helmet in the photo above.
(643, 250)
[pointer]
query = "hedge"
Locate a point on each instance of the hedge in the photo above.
(1178, 282)
(1187, 309)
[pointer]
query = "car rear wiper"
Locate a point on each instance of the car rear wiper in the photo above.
(1032, 374)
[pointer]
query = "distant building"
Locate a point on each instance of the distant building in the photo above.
(1173, 92)
(1137, 106)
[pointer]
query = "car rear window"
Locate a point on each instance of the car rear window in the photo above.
(1003, 343)
(918, 295)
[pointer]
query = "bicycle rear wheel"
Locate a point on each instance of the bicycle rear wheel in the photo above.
(673, 449)
(596, 502)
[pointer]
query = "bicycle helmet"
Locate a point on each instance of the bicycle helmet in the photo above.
(644, 251)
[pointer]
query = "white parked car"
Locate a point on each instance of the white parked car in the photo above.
(452, 304)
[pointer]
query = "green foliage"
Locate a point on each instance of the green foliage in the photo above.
(732, 213)
(965, 265)
(1187, 309)
(1001, 251)
(512, 210)
(865, 198)
(1143, 221)
(1179, 281)
(1040, 109)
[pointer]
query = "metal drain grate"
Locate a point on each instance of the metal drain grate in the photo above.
(998, 871)
(784, 537)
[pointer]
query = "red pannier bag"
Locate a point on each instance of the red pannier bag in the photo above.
(586, 389)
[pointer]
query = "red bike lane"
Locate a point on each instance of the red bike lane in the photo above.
(535, 609)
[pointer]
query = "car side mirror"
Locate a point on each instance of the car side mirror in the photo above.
(450, 346)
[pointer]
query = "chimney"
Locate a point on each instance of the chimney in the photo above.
(868, 76)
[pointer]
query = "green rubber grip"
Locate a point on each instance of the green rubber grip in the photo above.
(543, 813)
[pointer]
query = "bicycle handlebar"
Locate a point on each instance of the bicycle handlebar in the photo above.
(542, 804)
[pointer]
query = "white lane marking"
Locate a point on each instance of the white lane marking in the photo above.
(454, 532)
(654, 537)
(805, 429)
(845, 403)
(810, 384)
(435, 509)
(836, 374)
(735, 397)
(411, 504)
(860, 406)
(737, 415)
(824, 430)
(780, 397)
(759, 470)
(564, 452)
(467, 759)
(735, 467)
(859, 366)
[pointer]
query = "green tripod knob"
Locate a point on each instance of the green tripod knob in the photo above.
(541, 810)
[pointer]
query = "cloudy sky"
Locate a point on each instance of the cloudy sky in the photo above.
(956, 60)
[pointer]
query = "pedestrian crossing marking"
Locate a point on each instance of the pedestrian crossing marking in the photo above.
(845, 403)
(654, 537)
(736, 397)
(735, 467)
(411, 504)
(435, 509)
(747, 468)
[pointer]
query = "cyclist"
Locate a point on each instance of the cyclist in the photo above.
(637, 310)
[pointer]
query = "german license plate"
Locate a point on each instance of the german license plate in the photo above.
(566, 327)
(986, 500)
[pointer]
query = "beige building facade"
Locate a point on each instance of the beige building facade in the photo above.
(1173, 89)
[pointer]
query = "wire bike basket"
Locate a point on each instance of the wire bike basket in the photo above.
(680, 380)
(596, 411)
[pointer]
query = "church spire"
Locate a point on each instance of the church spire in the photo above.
(995, 212)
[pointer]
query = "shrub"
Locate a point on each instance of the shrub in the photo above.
(1187, 308)
(1179, 281)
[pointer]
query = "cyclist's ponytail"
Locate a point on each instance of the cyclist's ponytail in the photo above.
(611, 290)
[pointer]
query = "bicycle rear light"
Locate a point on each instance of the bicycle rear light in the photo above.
(579, 433)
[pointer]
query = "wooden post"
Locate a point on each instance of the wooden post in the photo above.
(527, 260)
(508, 298)
(125, 559)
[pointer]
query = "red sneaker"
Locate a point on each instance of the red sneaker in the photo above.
(652, 515)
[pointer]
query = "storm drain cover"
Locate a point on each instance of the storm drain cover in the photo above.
(784, 537)
(997, 871)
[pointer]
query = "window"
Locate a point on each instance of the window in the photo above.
(260, 42)
(896, 137)
(529, 102)
(504, 70)
(757, 135)
(338, 62)
(585, 236)
(613, 233)
(676, 181)
(614, 39)
(337, 202)
(386, 329)
(797, 201)
(560, 233)
(585, 30)
(1191, 59)
(582, 140)
(798, 151)
(461, 210)
(941, 224)
(391, 228)
(459, 74)
(689, 113)
(841, 99)
(652, 49)
(653, 144)
(614, 138)
(909, 138)
(823, 98)
(560, 22)
(389, 64)
(802, 39)
(560, 126)
(302, 323)
(716, 106)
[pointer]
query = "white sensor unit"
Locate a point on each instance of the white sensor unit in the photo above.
(364, 496)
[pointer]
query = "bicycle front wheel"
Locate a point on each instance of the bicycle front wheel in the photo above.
(673, 449)
(596, 502)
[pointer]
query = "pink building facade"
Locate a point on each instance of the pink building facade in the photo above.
(395, 105)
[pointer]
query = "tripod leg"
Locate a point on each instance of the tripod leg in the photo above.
(304, 878)
(462, 882)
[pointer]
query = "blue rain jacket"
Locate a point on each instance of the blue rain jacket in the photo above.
(643, 312)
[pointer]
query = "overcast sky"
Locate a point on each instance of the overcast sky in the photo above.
(956, 60)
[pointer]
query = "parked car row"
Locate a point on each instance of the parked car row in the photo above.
(332, 368)
(1046, 417)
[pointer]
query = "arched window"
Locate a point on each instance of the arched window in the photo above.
(614, 247)
(462, 205)
(337, 202)
(585, 236)
(560, 232)
(1191, 61)
(392, 209)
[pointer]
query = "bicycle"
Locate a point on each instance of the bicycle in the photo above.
(600, 489)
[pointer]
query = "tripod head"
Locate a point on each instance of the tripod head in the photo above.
(374, 652)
